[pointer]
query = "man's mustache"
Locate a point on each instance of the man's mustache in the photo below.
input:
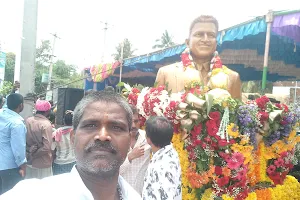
(101, 145)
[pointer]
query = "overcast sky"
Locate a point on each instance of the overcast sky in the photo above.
(78, 22)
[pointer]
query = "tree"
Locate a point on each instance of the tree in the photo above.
(127, 52)
(10, 67)
(164, 42)
(6, 88)
(62, 73)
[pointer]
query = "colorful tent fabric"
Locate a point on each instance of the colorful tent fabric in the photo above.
(284, 51)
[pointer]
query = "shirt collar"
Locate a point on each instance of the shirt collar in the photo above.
(162, 151)
(81, 186)
(41, 116)
(204, 66)
(13, 113)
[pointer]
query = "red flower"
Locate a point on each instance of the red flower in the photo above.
(185, 59)
(283, 107)
(264, 116)
(214, 116)
(223, 143)
(135, 90)
(217, 63)
(218, 170)
(225, 156)
(211, 128)
(223, 181)
(261, 102)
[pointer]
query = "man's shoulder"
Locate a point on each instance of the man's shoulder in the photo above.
(170, 66)
(37, 188)
(128, 190)
(232, 72)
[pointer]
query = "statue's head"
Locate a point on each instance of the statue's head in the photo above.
(202, 39)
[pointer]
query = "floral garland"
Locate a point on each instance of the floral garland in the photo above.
(187, 192)
(219, 137)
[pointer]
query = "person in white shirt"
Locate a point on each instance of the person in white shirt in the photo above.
(101, 136)
(134, 168)
(163, 176)
(63, 147)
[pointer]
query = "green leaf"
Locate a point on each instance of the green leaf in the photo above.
(209, 102)
(120, 84)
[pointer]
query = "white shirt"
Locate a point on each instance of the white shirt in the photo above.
(64, 149)
(61, 187)
(134, 172)
(163, 177)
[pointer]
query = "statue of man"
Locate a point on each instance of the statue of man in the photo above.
(202, 44)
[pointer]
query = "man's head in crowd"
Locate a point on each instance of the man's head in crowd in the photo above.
(159, 131)
(102, 123)
(43, 107)
(15, 102)
(135, 121)
(68, 118)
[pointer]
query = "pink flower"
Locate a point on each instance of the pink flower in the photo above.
(271, 169)
(279, 162)
(235, 161)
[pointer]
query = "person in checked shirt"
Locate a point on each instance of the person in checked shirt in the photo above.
(134, 168)
(163, 176)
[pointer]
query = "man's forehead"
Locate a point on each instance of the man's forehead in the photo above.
(204, 26)
(104, 109)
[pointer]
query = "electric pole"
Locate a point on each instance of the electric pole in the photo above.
(104, 39)
(49, 91)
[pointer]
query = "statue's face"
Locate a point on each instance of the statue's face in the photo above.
(203, 40)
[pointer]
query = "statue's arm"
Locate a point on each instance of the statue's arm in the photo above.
(160, 77)
(237, 87)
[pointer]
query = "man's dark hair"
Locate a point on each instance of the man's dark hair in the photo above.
(134, 109)
(68, 118)
(14, 100)
(88, 92)
(159, 130)
(205, 19)
(105, 97)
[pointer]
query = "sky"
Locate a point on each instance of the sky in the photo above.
(80, 23)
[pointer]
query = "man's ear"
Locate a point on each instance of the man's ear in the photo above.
(72, 136)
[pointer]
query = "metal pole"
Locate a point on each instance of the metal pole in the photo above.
(49, 92)
(269, 20)
(104, 41)
(121, 66)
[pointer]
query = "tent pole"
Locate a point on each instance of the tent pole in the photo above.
(269, 20)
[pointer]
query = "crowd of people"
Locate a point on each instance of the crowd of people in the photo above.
(100, 152)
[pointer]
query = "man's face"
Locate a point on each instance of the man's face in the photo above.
(203, 40)
(135, 124)
(102, 139)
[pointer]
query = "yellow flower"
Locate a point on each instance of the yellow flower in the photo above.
(290, 190)
(184, 164)
(208, 194)
(233, 130)
(226, 197)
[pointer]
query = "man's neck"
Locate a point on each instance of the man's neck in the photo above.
(155, 149)
(101, 188)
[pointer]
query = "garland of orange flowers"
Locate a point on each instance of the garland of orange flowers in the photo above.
(178, 144)
(263, 194)
(263, 177)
